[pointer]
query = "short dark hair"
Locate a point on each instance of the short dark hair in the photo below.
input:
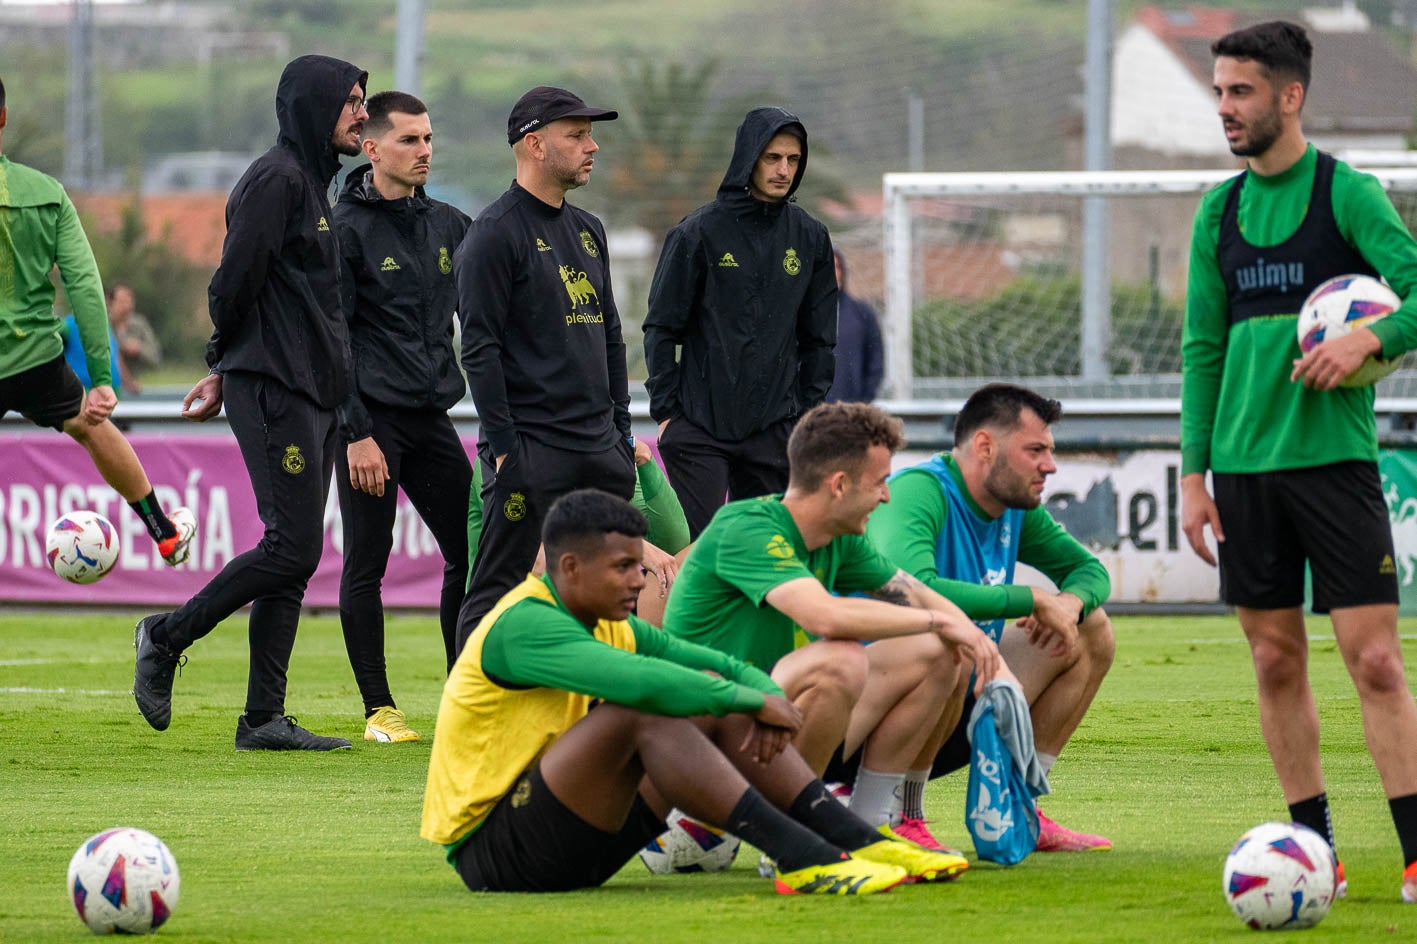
(383, 104)
(580, 518)
(2, 93)
(835, 437)
(110, 291)
(1001, 406)
(1282, 49)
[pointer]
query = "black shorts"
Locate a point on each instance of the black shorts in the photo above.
(1333, 517)
(47, 395)
(531, 842)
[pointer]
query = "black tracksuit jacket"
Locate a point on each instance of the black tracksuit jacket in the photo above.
(747, 289)
(275, 298)
(400, 298)
(541, 340)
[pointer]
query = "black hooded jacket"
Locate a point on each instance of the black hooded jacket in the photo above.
(275, 297)
(400, 300)
(747, 289)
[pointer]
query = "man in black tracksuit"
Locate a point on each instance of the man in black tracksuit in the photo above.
(279, 356)
(541, 345)
(397, 247)
(746, 289)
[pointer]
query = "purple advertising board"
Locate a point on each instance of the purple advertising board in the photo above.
(44, 475)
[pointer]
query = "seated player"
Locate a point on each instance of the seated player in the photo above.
(959, 523)
(765, 567)
(531, 790)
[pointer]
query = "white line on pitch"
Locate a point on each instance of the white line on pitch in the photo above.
(60, 691)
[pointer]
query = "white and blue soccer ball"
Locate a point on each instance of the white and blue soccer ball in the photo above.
(1280, 875)
(81, 546)
(1340, 306)
(689, 846)
(124, 880)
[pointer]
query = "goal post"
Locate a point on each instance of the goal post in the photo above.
(982, 276)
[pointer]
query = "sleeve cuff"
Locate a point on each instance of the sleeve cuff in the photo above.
(502, 442)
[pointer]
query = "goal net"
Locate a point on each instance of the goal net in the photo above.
(990, 277)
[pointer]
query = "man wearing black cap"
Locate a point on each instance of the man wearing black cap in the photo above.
(279, 357)
(541, 344)
(741, 326)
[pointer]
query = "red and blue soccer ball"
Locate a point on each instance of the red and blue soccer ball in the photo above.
(689, 846)
(82, 546)
(1280, 875)
(1342, 305)
(124, 880)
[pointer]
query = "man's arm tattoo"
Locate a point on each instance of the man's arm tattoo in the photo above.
(898, 589)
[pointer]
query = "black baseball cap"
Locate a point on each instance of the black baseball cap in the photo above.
(545, 104)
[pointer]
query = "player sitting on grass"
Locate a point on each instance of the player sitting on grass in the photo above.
(960, 522)
(531, 790)
(766, 566)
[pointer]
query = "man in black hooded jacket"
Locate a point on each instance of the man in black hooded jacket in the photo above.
(746, 290)
(279, 356)
(397, 245)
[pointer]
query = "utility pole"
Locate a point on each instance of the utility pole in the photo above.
(408, 47)
(83, 144)
(1096, 215)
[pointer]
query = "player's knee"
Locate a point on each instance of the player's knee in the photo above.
(296, 559)
(1277, 665)
(80, 432)
(841, 667)
(1098, 641)
(1378, 669)
(939, 664)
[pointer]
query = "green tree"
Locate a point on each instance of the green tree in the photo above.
(671, 143)
(171, 291)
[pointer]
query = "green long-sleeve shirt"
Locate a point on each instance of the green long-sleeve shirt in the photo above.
(539, 643)
(40, 229)
(907, 530)
(1239, 410)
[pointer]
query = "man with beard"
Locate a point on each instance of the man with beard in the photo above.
(741, 324)
(279, 359)
(541, 344)
(1293, 455)
(959, 523)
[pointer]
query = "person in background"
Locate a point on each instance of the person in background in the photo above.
(860, 359)
(138, 346)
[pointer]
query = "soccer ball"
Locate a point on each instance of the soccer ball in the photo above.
(689, 846)
(1280, 875)
(82, 546)
(123, 880)
(1344, 304)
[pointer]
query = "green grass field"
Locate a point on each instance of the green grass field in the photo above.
(325, 848)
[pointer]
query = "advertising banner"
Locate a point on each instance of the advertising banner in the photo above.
(44, 475)
(1125, 506)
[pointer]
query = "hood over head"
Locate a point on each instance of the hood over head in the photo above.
(309, 99)
(757, 129)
